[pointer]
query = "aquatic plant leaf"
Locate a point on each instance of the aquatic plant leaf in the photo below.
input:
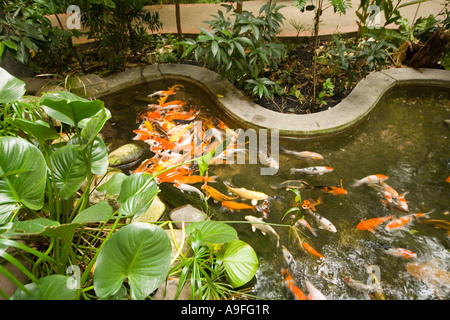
(69, 169)
(139, 253)
(23, 174)
(98, 153)
(95, 125)
(38, 129)
(113, 185)
(100, 212)
(53, 287)
(136, 194)
(240, 262)
(68, 107)
(213, 232)
(11, 88)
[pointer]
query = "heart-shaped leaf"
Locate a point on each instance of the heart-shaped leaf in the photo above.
(11, 88)
(213, 232)
(136, 194)
(140, 253)
(69, 169)
(240, 262)
(68, 107)
(23, 174)
(53, 287)
(38, 129)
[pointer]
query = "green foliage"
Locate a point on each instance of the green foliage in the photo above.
(327, 91)
(26, 30)
(41, 206)
(241, 46)
(120, 27)
(219, 261)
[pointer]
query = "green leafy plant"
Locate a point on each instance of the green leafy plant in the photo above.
(241, 46)
(219, 262)
(120, 27)
(44, 212)
(25, 31)
(327, 91)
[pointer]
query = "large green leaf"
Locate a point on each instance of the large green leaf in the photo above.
(53, 287)
(113, 185)
(11, 88)
(69, 169)
(100, 212)
(99, 153)
(136, 194)
(95, 124)
(38, 129)
(68, 107)
(23, 174)
(140, 253)
(213, 232)
(240, 262)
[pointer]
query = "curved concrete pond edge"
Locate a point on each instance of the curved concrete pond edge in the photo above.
(349, 112)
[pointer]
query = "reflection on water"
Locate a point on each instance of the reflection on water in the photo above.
(405, 138)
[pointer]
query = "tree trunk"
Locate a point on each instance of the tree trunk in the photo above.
(316, 44)
(432, 51)
(178, 20)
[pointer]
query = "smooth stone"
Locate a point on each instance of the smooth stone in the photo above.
(126, 154)
(168, 290)
(187, 213)
(153, 213)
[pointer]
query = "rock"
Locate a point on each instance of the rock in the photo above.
(178, 234)
(153, 213)
(127, 154)
(187, 213)
(168, 290)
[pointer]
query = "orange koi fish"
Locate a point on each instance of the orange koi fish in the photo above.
(216, 195)
(371, 224)
(232, 205)
(311, 250)
(374, 178)
(165, 93)
(288, 281)
(448, 179)
(331, 189)
(197, 179)
(401, 222)
(311, 204)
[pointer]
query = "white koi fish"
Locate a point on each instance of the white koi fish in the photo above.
(322, 222)
(309, 155)
(313, 170)
(302, 222)
(314, 292)
(188, 188)
(268, 161)
(259, 224)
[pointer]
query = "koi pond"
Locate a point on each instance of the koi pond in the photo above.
(404, 138)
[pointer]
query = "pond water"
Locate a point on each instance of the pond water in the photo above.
(405, 138)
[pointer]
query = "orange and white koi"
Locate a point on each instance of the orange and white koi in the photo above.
(401, 253)
(289, 283)
(258, 223)
(238, 206)
(314, 293)
(254, 196)
(323, 223)
(309, 155)
(319, 170)
(374, 178)
(165, 93)
(373, 223)
(302, 222)
(401, 222)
